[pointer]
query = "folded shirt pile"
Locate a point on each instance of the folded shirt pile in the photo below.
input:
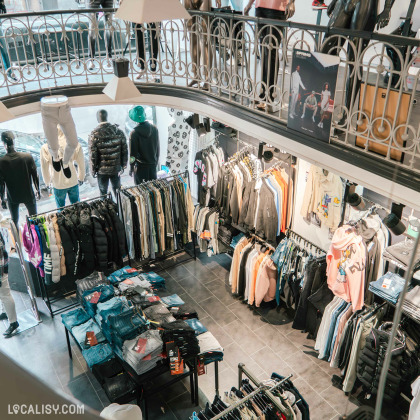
(105, 292)
(199, 328)
(388, 287)
(135, 283)
(73, 318)
(411, 304)
(210, 348)
(97, 355)
(122, 274)
(158, 313)
(79, 333)
(173, 300)
(143, 352)
(154, 279)
(402, 251)
(183, 336)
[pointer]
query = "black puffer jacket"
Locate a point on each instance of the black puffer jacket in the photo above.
(119, 230)
(67, 244)
(100, 240)
(108, 149)
(87, 248)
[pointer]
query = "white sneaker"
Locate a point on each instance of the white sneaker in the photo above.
(91, 65)
(302, 116)
(320, 125)
(313, 119)
(292, 117)
(141, 75)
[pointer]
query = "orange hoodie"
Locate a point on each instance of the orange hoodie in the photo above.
(346, 262)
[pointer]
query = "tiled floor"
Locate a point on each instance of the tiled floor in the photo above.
(243, 333)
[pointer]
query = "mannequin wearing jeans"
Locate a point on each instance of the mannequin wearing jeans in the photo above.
(270, 9)
(17, 174)
(5, 295)
(63, 186)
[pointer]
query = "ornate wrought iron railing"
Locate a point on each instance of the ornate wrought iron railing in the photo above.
(375, 106)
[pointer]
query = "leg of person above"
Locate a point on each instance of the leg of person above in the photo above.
(69, 129)
(14, 212)
(74, 195)
(60, 197)
(31, 207)
(9, 306)
(116, 184)
(49, 123)
(103, 182)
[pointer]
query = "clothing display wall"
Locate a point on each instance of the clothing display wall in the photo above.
(158, 216)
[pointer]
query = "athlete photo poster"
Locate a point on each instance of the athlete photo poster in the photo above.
(312, 91)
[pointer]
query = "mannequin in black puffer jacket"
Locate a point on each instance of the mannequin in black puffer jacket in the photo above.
(108, 153)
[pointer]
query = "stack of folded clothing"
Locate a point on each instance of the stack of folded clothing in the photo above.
(173, 300)
(210, 348)
(184, 313)
(411, 304)
(137, 284)
(401, 252)
(159, 314)
(88, 283)
(126, 326)
(154, 279)
(105, 292)
(388, 287)
(114, 306)
(226, 233)
(236, 239)
(143, 352)
(183, 336)
(198, 327)
(73, 318)
(98, 354)
(122, 274)
(79, 333)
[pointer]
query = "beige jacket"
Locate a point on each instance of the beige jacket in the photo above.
(53, 219)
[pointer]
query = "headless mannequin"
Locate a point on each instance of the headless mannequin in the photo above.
(199, 41)
(358, 15)
(54, 100)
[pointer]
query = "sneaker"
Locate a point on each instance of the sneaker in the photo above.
(313, 118)
(303, 115)
(12, 328)
(320, 125)
(57, 164)
(91, 65)
(141, 74)
(67, 171)
(319, 5)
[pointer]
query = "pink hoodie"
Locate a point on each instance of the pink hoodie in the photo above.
(31, 245)
(347, 251)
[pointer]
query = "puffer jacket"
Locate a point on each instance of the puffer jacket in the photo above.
(108, 149)
(87, 248)
(63, 271)
(100, 240)
(67, 244)
(371, 360)
(55, 252)
(118, 227)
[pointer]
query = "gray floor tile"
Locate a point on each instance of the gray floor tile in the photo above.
(335, 397)
(244, 336)
(218, 311)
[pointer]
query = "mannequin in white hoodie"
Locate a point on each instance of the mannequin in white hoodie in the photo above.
(63, 186)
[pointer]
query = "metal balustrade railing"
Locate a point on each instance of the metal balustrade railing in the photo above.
(375, 108)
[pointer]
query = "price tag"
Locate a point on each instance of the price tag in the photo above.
(128, 281)
(91, 339)
(201, 368)
(176, 363)
(132, 270)
(152, 299)
(387, 283)
(93, 297)
(140, 346)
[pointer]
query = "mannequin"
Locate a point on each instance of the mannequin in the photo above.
(63, 186)
(98, 4)
(178, 141)
(55, 110)
(17, 174)
(359, 15)
(199, 41)
(108, 153)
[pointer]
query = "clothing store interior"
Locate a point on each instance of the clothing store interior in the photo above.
(236, 238)
(221, 253)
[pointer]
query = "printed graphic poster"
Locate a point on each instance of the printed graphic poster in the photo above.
(312, 90)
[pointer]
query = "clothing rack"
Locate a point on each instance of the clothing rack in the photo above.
(293, 234)
(264, 388)
(48, 300)
(149, 262)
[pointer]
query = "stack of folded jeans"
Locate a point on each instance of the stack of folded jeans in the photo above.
(411, 304)
(79, 333)
(173, 300)
(158, 313)
(88, 283)
(143, 352)
(236, 239)
(73, 318)
(106, 293)
(97, 354)
(136, 283)
(125, 326)
(114, 306)
(183, 336)
(122, 274)
(388, 287)
(210, 348)
(199, 328)
(154, 279)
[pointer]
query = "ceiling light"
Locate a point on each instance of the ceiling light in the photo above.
(121, 87)
(5, 114)
(146, 11)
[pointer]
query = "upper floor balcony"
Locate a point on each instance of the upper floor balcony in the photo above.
(237, 64)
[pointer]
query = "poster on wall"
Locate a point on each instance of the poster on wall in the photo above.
(312, 91)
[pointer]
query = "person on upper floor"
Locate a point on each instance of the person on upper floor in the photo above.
(108, 153)
(144, 147)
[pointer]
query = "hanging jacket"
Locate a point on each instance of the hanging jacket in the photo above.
(63, 270)
(55, 253)
(46, 255)
(118, 229)
(266, 225)
(67, 244)
(87, 248)
(31, 245)
(100, 240)
(108, 149)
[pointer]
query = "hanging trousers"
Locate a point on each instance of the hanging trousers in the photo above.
(52, 116)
